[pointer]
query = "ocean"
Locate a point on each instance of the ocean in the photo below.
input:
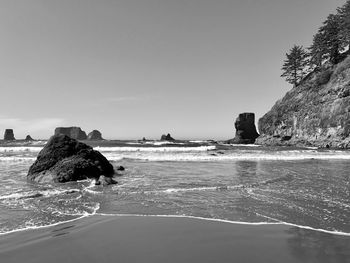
(308, 188)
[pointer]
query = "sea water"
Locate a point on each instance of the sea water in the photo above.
(308, 188)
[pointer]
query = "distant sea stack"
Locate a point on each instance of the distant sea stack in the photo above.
(95, 135)
(314, 113)
(64, 159)
(29, 138)
(167, 137)
(9, 135)
(74, 132)
(245, 129)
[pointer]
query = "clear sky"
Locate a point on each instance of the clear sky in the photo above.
(141, 68)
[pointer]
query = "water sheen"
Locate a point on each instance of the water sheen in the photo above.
(305, 187)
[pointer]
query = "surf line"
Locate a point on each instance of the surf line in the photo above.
(277, 222)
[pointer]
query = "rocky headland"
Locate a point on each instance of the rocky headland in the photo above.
(314, 113)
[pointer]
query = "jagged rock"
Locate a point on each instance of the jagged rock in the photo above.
(29, 138)
(64, 159)
(9, 135)
(314, 113)
(73, 132)
(167, 137)
(95, 135)
(245, 129)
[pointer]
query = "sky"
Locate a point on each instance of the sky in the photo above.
(143, 68)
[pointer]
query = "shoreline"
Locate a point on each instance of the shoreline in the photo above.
(104, 238)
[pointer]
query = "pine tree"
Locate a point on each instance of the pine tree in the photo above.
(317, 51)
(331, 41)
(344, 15)
(294, 67)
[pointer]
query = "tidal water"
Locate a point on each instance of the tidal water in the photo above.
(308, 188)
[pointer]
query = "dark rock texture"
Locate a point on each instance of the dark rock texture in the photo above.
(245, 129)
(9, 135)
(29, 138)
(314, 113)
(64, 159)
(167, 137)
(73, 132)
(95, 135)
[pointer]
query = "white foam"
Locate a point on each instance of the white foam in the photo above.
(46, 193)
(17, 159)
(202, 156)
(20, 149)
(234, 222)
(81, 216)
(155, 149)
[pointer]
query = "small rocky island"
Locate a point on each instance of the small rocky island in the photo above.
(245, 129)
(64, 159)
(167, 138)
(9, 135)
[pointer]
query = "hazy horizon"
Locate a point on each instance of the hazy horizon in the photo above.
(133, 69)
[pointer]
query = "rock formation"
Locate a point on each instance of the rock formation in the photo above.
(95, 135)
(9, 135)
(167, 137)
(316, 112)
(245, 129)
(29, 138)
(73, 132)
(64, 159)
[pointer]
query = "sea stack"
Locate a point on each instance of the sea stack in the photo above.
(95, 135)
(74, 132)
(64, 159)
(245, 129)
(9, 135)
(29, 138)
(167, 137)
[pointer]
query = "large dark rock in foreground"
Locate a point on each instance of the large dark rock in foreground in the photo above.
(167, 137)
(9, 135)
(314, 113)
(64, 159)
(73, 132)
(245, 129)
(95, 135)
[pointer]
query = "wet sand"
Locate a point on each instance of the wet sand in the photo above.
(168, 239)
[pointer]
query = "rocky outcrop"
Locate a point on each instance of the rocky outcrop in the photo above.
(167, 137)
(28, 138)
(95, 135)
(74, 132)
(9, 135)
(314, 113)
(64, 159)
(245, 129)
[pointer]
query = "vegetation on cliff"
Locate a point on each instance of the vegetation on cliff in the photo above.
(317, 110)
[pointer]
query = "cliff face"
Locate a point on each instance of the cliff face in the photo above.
(316, 112)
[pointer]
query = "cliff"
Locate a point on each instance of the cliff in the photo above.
(314, 113)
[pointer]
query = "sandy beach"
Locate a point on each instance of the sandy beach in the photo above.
(171, 239)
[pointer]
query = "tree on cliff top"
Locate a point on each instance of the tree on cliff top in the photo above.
(344, 15)
(332, 42)
(295, 64)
